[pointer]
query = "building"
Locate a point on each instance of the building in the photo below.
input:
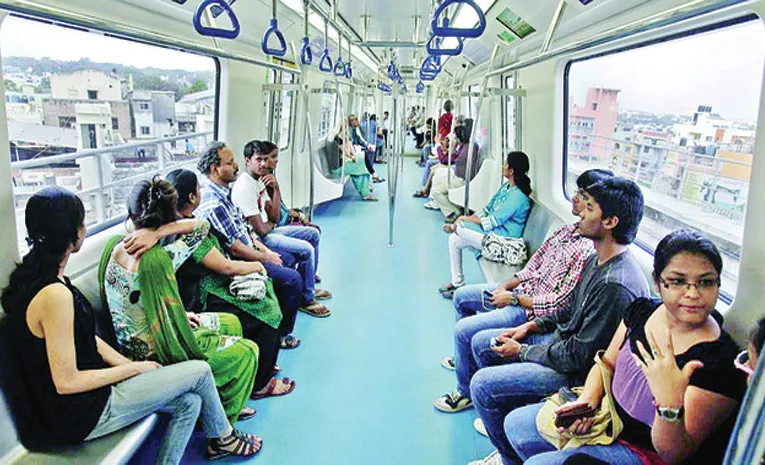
(153, 114)
(86, 85)
(709, 128)
(196, 112)
(63, 113)
(591, 127)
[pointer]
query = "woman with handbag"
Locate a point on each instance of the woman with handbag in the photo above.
(675, 388)
(505, 215)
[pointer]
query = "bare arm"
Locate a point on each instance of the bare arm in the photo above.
(110, 356)
(52, 312)
(273, 208)
(240, 250)
(143, 239)
(215, 261)
(260, 227)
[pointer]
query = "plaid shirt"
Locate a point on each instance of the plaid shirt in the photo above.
(553, 271)
(217, 208)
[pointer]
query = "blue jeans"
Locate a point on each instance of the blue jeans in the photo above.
(429, 164)
(288, 287)
(530, 448)
(465, 331)
(467, 300)
(183, 390)
(425, 153)
(497, 390)
(305, 233)
(304, 256)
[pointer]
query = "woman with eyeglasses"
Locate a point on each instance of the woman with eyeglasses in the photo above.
(674, 383)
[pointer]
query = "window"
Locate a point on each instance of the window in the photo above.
(77, 81)
(473, 101)
(695, 174)
(329, 111)
(285, 119)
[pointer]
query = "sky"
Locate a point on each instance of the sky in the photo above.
(722, 68)
(21, 37)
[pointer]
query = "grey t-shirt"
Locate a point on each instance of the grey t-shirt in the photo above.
(590, 321)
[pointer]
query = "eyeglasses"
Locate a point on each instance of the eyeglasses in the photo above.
(680, 284)
(742, 363)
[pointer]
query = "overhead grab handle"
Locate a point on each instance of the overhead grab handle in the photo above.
(306, 55)
(420, 87)
(431, 65)
(384, 87)
(446, 31)
(339, 68)
(348, 71)
(274, 30)
(325, 64)
(434, 45)
(212, 31)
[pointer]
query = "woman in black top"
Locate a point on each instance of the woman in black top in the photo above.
(79, 388)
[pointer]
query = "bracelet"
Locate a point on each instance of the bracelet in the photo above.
(523, 351)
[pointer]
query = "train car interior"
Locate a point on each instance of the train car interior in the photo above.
(493, 113)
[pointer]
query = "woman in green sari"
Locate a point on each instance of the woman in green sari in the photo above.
(354, 164)
(147, 312)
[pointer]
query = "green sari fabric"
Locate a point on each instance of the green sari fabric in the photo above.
(233, 360)
(266, 310)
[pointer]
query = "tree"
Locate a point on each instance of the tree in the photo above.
(10, 86)
(198, 86)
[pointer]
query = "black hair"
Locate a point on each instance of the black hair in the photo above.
(623, 199)
(463, 131)
(258, 147)
(373, 117)
(757, 338)
(685, 240)
(210, 157)
(152, 203)
(429, 121)
(519, 162)
(448, 106)
(592, 176)
(185, 183)
(53, 217)
(386, 112)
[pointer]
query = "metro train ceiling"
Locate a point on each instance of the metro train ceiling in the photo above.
(392, 20)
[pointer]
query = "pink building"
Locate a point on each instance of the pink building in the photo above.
(591, 127)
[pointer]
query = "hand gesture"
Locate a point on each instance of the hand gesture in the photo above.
(194, 320)
(518, 333)
(140, 241)
(273, 258)
(258, 267)
(580, 426)
(666, 380)
(507, 348)
(449, 228)
(269, 180)
(501, 299)
(143, 367)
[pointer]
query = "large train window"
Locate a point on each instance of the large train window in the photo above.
(678, 116)
(95, 114)
(279, 108)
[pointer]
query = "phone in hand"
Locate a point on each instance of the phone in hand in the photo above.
(494, 342)
(486, 296)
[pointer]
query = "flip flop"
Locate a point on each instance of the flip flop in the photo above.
(247, 416)
(322, 294)
(317, 310)
(289, 342)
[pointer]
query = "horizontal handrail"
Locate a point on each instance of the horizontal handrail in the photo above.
(45, 161)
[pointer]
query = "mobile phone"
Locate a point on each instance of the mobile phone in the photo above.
(493, 342)
(487, 293)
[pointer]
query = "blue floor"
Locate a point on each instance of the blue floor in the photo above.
(368, 375)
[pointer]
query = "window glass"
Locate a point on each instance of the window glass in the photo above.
(144, 109)
(285, 114)
(329, 110)
(510, 142)
(675, 119)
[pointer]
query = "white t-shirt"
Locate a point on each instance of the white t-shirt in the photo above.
(249, 194)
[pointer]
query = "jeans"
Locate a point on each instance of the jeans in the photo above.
(429, 164)
(425, 153)
(462, 238)
(530, 448)
(182, 390)
(467, 300)
(465, 331)
(305, 233)
(304, 255)
(288, 287)
(497, 390)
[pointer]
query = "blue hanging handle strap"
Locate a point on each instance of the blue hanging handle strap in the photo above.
(217, 10)
(348, 71)
(434, 48)
(215, 32)
(339, 68)
(306, 55)
(325, 64)
(274, 30)
(384, 87)
(430, 65)
(393, 73)
(420, 87)
(446, 31)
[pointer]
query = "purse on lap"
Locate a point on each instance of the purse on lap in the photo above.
(508, 250)
(249, 287)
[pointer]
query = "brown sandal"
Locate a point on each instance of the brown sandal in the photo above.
(269, 390)
(315, 309)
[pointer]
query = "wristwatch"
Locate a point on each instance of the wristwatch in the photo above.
(513, 298)
(670, 414)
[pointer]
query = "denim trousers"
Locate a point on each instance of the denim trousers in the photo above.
(304, 255)
(429, 164)
(183, 390)
(499, 387)
(305, 233)
(531, 448)
(288, 287)
(467, 300)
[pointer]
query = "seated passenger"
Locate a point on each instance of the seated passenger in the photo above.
(353, 166)
(250, 194)
(505, 215)
(534, 358)
(443, 180)
(218, 165)
(543, 286)
(674, 384)
(357, 138)
(79, 388)
(446, 149)
(746, 361)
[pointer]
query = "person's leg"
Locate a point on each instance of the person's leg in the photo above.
(305, 233)
(269, 342)
(182, 390)
(465, 331)
(288, 287)
(369, 160)
(498, 390)
(440, 193)
(303, 253)
(460, 239)
(523, 436)
(615, 454)
(234, 367)
(426, 174)
(467, 299)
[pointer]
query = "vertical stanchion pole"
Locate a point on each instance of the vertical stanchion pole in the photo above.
(393, 131)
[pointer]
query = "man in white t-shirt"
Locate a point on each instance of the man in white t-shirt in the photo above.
(263, 211)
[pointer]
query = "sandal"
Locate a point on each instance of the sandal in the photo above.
(270, 389)
(246, 413)
(277, 369)
(316, 309)
(289, 342)
(236, 443)
(447, 288)
(322, 294)
(369, 198)
(316, 279)
(421, 194)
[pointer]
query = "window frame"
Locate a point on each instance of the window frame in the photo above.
(724, 296)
